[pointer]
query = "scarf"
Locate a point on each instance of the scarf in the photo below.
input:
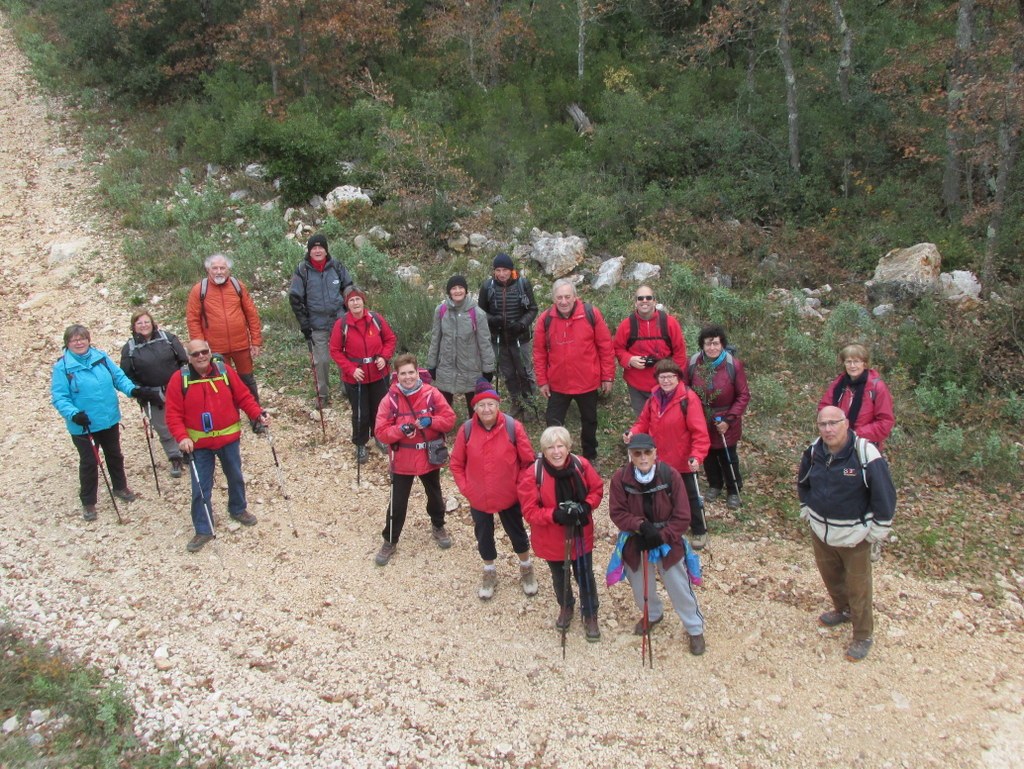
(664, 397)
(407, 393)
(855, 386)
(717, 361)
(568, 483)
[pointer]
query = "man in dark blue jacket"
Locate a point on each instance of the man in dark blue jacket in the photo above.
(847, 496)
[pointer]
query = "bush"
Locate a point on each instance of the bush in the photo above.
(942, 402)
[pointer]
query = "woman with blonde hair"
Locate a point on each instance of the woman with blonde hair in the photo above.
(861, 395)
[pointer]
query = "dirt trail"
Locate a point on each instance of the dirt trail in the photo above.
(296, 652)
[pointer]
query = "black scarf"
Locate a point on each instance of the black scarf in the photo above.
(856, 386)
(569, 485)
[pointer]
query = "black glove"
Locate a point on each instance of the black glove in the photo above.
(565, 514)
(81, 419)
(583, 513)
(489, 376)
(408, 430)
(515, 329)
(650, 536)
(433, 373)
(308, 333)
(150, 395)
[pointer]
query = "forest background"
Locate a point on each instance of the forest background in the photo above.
(783, 144)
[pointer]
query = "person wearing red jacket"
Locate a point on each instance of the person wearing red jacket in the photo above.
(860, 393)
(499, 444)
(573, 360)
(411, 415)
(559, 494)
(674, 417)
(361, 344)
(642, 339)
(221, 311)
(202, 415)
(718, 378)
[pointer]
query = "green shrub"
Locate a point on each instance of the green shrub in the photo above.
(941, 402)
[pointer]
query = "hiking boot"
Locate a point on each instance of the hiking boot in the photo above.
(245, 518)
(441, 537)
(733, 502)
(196, 543)
(591, 629)
(126, 494)
(697, 645)
(528, 580)
(858, 650)
(698, 541)
(176, 467)
(384, 554)
(834, 618)
(362, 455)
(712, 494)
(488, 583)
(89, 512)
(638, 628)
(565, 615)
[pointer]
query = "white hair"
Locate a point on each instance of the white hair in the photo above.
(562, 282)
(214, 257)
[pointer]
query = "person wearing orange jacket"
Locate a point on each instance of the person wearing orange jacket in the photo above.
(412, 415)
(573, 360)
(559, 493)
(674, 417)
(641, 340)
(499, 445)
(202, 414)
(221, 311)
(361, 344)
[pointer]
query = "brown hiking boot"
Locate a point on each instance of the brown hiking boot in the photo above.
(834, 618)
(638, 628)
(697, 645)
(564, 617)
(488, 583)
(528, 580)
(176, 467)
(89, 512)
(126, 494)
(196, 543)
(441, 537)
(384, 554)
(245, 518)
(591, 629)
(858, 650)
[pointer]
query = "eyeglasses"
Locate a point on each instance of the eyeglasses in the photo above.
(668, 376)
(645, 298)
(198, 353)
(831, 424)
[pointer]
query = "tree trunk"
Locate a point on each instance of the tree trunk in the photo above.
(843, 80)
(952, 171)
(792, 113)
(581, 36)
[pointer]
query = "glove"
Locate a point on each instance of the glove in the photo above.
(583, 513)
(564, 515)
(424, 422)
(408, 430)
(433, 373)
(308, 333)
(488, 375)
(81, 419)
(650, 536)
(150, 395)
(515, 329)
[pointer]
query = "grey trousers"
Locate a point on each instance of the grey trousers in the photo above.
(515, 363)
(680, 592)
(637, 399)
(158, 418)
(322, 362)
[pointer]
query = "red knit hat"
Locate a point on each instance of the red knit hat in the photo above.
(484, 390)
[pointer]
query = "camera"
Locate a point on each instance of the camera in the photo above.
(649, 360)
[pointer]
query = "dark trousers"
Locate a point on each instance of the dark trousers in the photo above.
(558, 407)
(511, 521)
(109, 442)
(583, 571)
(716, 465)
(846, 572)
(515, 362)
(364, 398)
(450, 397)
(401, 485)
(698, 524)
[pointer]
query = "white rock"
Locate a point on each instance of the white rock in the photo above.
(558, 255)
(378, 234)
(883, 309)
(410, 275)
(238, 195)
(10, 725)
(36, 717)
(961, 287)
(316, 202)
(69, 249)
(644, 271)
(610, 272)
(345, 195)
(476, 240)
(256, 171)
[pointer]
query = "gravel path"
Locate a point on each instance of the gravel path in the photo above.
(298, 652)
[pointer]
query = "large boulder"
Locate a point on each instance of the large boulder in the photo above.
(644, 271)
(346, 195)
(557, 255)
(610, 273)
(905, 275)
(961, 287)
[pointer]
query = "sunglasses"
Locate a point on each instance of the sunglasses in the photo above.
(198, 353)
(645, 298)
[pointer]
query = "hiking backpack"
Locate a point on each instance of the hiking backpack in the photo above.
(443, 310)
(216, 362)
(204, 286)
(510, 428)
(588, 310)
(634, 331)
(374, 317)
(860, 444)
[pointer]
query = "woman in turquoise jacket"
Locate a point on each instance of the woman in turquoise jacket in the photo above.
(84, 390)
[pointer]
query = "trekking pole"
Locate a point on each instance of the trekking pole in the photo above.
(103, 471)
(147, 427)
(359, 428)
(700, 501)
(566, 576)
(280, 482)
(728, 460)
(646, 644)
(316, 387)
(191, 457)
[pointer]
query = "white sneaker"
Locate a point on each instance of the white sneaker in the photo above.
(487, 584)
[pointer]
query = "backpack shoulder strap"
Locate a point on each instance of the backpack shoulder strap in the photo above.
(588, 310)
(510, 429)
(538, 471)
(663, 327)
(467, 428)
(862, 454)
(634, 330)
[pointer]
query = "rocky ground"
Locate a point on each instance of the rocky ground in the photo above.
(297, 651)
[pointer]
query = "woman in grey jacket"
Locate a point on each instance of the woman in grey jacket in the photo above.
(460, 344)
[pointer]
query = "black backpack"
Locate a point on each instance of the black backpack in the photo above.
(634, 331)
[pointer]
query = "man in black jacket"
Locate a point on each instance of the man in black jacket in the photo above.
(847, 496)
(317, 297)
(507, 298)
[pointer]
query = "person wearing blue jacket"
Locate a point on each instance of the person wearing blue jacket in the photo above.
(84, 389)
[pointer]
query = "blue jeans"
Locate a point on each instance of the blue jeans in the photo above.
(231, 464)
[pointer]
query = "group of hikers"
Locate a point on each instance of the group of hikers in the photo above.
(688, 413)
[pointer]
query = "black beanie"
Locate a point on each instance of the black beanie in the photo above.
(503, 260)
(317, 240)
(453, 281)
